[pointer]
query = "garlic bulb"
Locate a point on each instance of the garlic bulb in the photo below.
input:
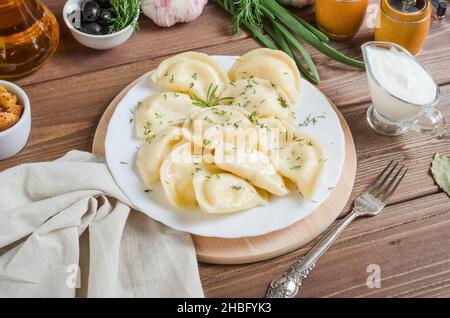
(166, 13)
(296, 3)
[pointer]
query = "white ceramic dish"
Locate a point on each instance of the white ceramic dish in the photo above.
(13, 139)
(98, 42)
(281, 212)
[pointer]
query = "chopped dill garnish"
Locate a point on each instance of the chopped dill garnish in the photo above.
(253, 117)
(147, 128)
(220, 113)
(282, 102)
(150, 138)
(208, 120)
(311, 120)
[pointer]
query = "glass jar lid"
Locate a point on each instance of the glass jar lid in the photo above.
(408, 6)
(407, 10)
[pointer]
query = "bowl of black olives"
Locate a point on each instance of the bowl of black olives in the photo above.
(101, 24)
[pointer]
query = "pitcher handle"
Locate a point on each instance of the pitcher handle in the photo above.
(436, 125)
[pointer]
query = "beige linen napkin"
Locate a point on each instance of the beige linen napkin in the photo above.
(45, 208)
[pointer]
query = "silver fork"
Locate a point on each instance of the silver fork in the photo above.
(369, 203)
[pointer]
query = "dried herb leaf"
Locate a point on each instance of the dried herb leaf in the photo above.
(440, 167)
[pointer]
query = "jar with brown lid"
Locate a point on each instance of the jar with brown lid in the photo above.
(404, 22)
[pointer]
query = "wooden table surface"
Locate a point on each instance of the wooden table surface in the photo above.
(409, 241)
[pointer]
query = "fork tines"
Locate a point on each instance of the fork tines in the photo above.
(388, 180)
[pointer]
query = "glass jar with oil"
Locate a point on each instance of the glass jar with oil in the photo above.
(29, 35)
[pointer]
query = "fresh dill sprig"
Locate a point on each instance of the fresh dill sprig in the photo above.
(211, 98)
(126, 12)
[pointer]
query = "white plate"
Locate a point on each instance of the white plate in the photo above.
(281, 212)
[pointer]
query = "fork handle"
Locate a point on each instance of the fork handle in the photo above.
(287, 285)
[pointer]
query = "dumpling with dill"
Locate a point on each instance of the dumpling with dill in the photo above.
(219, 124)
(301, 161)
(261, 96)
(193, 73)
(161, 110)
(273, 65)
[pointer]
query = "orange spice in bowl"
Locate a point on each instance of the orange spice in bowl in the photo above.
(10, 111)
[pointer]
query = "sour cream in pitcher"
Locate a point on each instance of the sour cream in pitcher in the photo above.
(400, 87)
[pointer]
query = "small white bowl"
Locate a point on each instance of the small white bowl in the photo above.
(13, 139)
(98, 42)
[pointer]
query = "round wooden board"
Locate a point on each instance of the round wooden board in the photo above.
(252, 249)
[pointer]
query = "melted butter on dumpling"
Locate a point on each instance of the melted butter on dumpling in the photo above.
(251, 165)
(272, 65)
(192, 73)
(301, 161)
(226, 193)
(161, 110)
(260, 96)
(152, 153)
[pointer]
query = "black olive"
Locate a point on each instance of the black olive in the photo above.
(91, 28)
(105, 16)
(103, 3)
(91, 11)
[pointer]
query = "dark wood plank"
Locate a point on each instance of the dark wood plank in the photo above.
(408, 241)
(210, 29)
(213, 28)
(374, 151)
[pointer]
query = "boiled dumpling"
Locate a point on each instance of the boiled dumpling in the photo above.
(176, 175)
(273, 134)
(152, 153)
(301, 161)
(225, 193)
(251, 165)
(259, 96)
(216, 125)
(192, 73)
(161, 110)
(272, 65)
(220, 116)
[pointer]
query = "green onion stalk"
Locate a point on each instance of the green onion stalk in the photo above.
(278, 28)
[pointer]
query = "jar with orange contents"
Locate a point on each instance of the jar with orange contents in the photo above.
(340, 19)
(404, 22)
